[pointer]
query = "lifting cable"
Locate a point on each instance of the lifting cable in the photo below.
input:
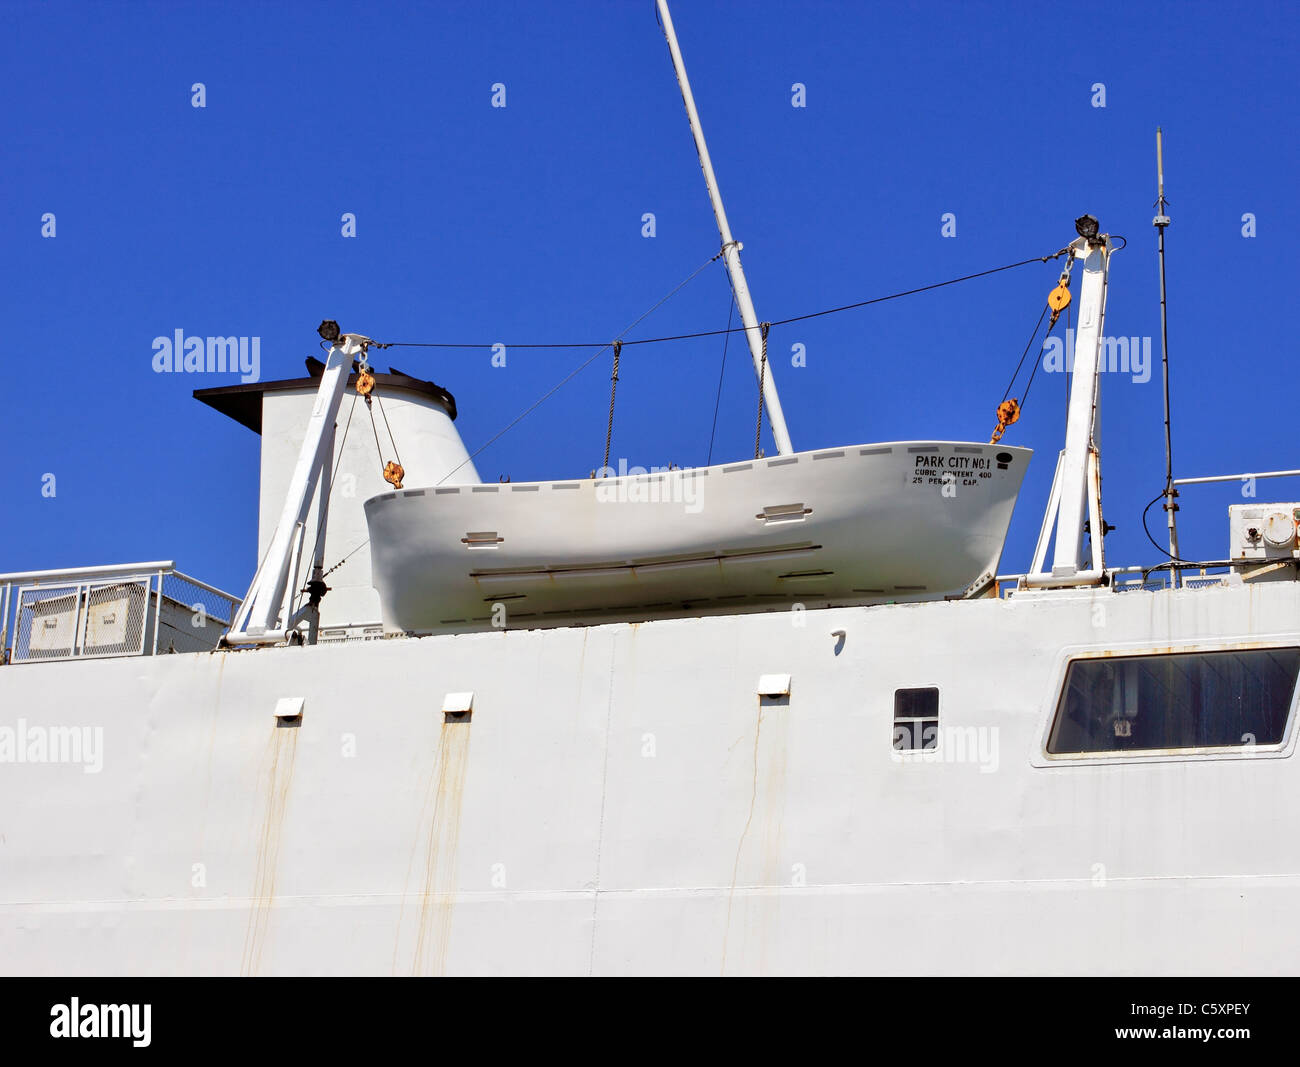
(391, 438)
(1009, 409)
(762, 381)
(392, 472)
(613, 387)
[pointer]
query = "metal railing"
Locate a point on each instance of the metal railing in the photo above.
(1236, 477)
(1157, 576)
(132, 609)
(1170, 574)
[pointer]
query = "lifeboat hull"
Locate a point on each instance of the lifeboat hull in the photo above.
(863, 524)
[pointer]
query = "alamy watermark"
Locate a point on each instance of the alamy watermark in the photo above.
(1118, 355)
(208, 355)
(74, 1019)
(928, 742)
(658, 485)
(25, 743)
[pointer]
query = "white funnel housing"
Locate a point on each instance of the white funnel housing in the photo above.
(420, 415)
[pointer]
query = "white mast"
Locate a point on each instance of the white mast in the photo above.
(1076, 489)
(730, 248)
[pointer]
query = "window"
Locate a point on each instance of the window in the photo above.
(916, 719)
(1175, 701)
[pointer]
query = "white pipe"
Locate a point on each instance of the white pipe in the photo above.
(1222, 478)
(1043, 581)
(271, 637)
(730, 248)
(121, 570)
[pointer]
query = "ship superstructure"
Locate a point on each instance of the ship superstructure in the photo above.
(777, 715)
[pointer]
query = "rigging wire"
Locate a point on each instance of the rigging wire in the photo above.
(345, 559)
(576, 370)
(392, 440)
(375, 430)
(1016, 373)
(738, 329)
(613, 388)
(922, 289)
(602, 346)
(731, 311)
(1038, 362)
(762, 381)
(545, 396)
(346, 426)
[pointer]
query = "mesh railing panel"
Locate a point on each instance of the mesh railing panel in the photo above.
(207, 604)
(113, 618)
(46, 620)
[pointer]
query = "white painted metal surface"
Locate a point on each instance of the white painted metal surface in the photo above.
(593, 819)
(862, 524)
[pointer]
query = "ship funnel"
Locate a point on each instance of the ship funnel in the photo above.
(413, 421)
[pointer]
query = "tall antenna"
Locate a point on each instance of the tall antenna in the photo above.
(1160, 222)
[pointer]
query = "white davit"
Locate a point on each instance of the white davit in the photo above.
(908, 520)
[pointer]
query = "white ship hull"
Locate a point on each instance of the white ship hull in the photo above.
(622, 802)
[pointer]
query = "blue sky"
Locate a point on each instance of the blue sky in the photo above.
(524, 223)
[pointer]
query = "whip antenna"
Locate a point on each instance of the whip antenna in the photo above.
(1160, 222)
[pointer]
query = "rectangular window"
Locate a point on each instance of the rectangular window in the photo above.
(916, 719)
(1230, 699)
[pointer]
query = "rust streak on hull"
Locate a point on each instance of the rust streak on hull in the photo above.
(281, 754)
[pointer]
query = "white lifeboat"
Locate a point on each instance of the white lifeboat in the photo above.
(878, 523)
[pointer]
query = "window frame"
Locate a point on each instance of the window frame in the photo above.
(903, 754)
(1043, 758)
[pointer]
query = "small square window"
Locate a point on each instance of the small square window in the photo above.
(916, 719)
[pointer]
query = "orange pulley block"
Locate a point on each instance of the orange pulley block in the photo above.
(1008, 412)
(1059, 298)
